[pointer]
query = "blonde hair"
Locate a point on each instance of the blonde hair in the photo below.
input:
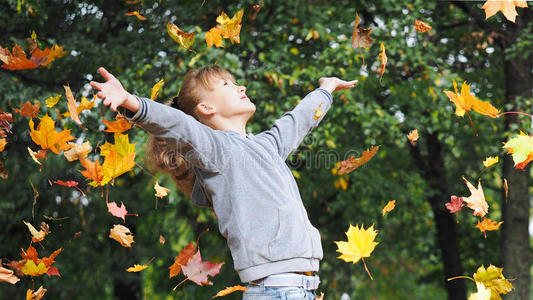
(162, 154)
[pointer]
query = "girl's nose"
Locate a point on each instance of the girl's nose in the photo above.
(242, 88)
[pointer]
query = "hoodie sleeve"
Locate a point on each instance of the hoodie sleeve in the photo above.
(289, 131)
(199, 144)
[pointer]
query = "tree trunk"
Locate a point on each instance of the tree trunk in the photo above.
(515, 249)
(433, 170)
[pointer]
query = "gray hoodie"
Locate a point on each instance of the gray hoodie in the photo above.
(248, 184)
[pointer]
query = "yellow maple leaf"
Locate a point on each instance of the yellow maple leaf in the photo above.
(115, 165)
(318, 112)
(47, 137)
(492, 278)
(413, 137)
(508, 8)
(136, 268)
(360, 244)
(383, 59)
(122, 145)
(521, 148)
(122, 235)
(489, 161)
(3, 144)
(465, 102)
(51, 101)
(156, 89)
(230, 290)
(30, 268)
(214, 37)
(186, 40)
(231, 28)
(476, 201)
(118, 126)
(37, 295)
(37, 236)
(389, 207)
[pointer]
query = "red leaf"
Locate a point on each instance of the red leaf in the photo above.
(69, 183)
(52, 271)
(455, 204)
(197, 270)
(182, 259)
(115, 210)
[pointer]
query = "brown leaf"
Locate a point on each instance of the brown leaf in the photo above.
(29, 110)
(122, 235)
(353, 163)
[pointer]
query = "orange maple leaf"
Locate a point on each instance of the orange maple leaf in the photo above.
(93, 171)
(214, 37)
(137, 14)
(508, 8)
(17, 60)
(353, 163)
(182, 259)
(230, 290)
(115, 165)
(488, 225)
(47, 137)
(73, 110)
(29, 110)
(389, 207)
(120, 125)
(421, 26)
(383, 59)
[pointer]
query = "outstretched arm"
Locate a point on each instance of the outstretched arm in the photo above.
(289, 131)
(198, 143)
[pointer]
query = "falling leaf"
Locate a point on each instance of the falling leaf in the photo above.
(508, 8)
(37, 295)
(493, 279)
(37, 236)
(383, 59)
(52, 101)
(7, 275)
(231, 28)
(413, 137)
(93, 171)
(182, 259)
(78, 151)
(122, 146)
(118, 126)
(3, 171)
(353, 163)
(341, 183)
(5, 127)
(156, 89)
(421, 26)
(37, 155)
(320, 297)
(162, 240)
(488, 225)
(115, 165)
(481, 294)
(521, 149)
(117, 211)
(455, 205)
(71, 103)
(389, 207)
(197, 270)
(48, 138)
(465, 102)
(360, 244)
(136, 268)
(230, 290)
(506, 188)
(137, 14)
(32, 269)
(361, 37)
(3, 144)
(186, 40)
(318, 112)
(29, 110)
(476, 201)
(214, 37)
(85, 104)
(160, 191)
(17, 60)
(122, 235)
(489, 161)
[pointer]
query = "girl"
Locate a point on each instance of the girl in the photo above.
(200, 139)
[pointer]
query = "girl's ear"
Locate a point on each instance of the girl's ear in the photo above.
(205, 109)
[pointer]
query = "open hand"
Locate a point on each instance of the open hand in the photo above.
(111, 91)
(333, 84)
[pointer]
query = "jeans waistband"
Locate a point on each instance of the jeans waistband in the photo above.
(290, 279)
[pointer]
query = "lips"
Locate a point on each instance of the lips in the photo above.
(245, 98)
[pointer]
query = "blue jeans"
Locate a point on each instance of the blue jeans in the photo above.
(261, 292)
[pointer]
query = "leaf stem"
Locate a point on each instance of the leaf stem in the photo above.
(464, 277)
(180, 283)
(472, 123)
(514, 112)
(366, 268)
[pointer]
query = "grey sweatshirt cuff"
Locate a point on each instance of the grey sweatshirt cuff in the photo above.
(140, 115)
(328, 94)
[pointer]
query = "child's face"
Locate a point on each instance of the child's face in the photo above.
(228, 99)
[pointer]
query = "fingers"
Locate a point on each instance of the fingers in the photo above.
(96, 85)
(105, 73)
(100, 95)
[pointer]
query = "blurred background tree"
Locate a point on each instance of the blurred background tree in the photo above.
(286, 46)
